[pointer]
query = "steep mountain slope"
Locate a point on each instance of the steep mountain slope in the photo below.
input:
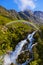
(11, 34)
(36, 16)
(11, 14)
(39, 15)
(27, 14)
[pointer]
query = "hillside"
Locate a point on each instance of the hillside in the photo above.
(36, 16)
(15, 26)
(10, 15)
(12, 34)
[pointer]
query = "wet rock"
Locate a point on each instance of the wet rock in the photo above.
(26, 55)
(12, 64)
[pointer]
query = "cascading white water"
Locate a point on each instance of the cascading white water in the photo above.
(31, 40)
(17, 50)
(30, 46)
(11, 57)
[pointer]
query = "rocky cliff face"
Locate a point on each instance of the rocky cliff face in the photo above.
(36, 16)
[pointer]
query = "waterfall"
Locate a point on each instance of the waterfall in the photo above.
(12, 56)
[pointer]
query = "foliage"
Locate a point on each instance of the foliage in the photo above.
(11, 35)
(38, 50)
(4, 20)
(14, 33)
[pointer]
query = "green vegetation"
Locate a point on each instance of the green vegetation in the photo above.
(13, 30)
(12, 34)
(4, 20)
(38, 50)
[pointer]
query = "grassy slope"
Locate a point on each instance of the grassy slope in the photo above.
(13, 34)
(16, 32)
(4, 20)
